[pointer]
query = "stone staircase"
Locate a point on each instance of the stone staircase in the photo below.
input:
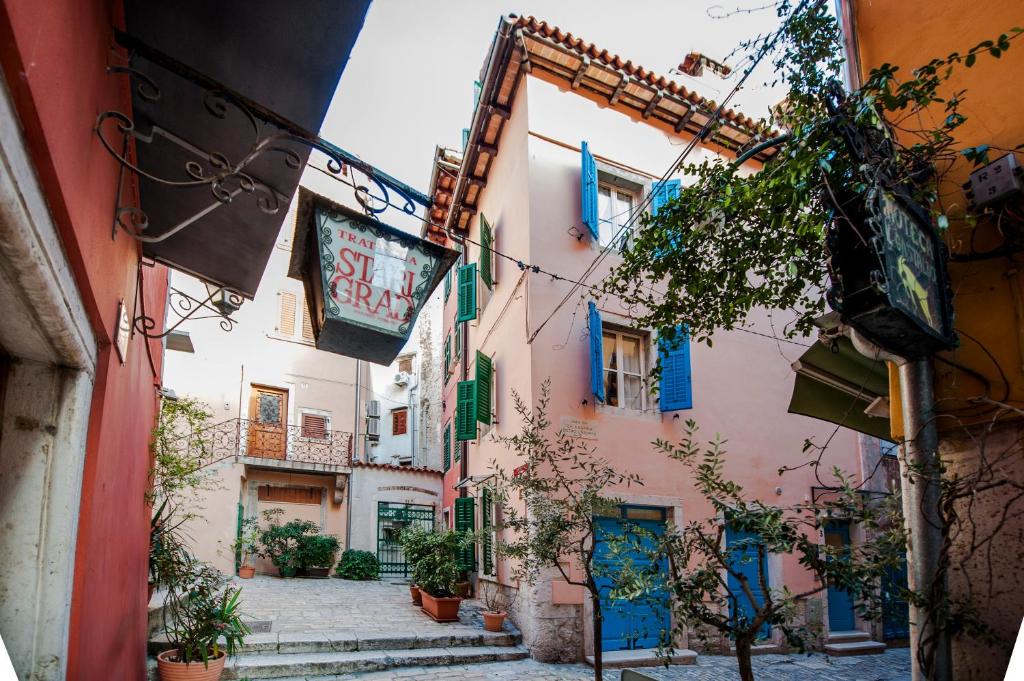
(309, 655)
(844, 643)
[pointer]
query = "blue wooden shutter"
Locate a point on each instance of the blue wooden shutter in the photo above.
(465, 521)
(596, 352)
(483, 387)
(467, 292)
(465, 410)
(588, 190)
(662, 193)
(447, 446)
(676, 382)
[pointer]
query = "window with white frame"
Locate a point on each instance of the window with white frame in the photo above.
(293, 321)
(614, 207)
(624, 369)
(315, 424)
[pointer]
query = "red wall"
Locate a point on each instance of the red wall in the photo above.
(54, 55)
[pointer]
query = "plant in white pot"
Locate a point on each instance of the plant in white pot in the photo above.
(203, 625)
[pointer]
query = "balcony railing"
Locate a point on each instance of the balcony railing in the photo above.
(267, 445)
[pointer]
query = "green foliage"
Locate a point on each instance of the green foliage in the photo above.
(437, 569)
(415, 545)
(247, 543)
(698, 555)
(284, 544)
(358, 565)
(180, 453)
(318, 551)
(732, 241)
(202, 617)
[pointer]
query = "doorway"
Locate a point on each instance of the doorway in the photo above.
(747, 558)
(840, 601)
(268, 422)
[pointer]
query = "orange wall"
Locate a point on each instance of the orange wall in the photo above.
(984, 291)
(54, 55)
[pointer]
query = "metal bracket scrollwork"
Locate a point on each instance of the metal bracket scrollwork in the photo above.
(219, 304)
(226, 178)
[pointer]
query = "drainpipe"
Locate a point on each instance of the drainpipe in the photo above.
(355, 455)
(412, 418)
(932, 660)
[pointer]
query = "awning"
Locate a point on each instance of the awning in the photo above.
(843, 387)
(227, 91)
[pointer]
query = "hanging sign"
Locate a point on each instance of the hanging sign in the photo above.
(889, 277)
(365, 281)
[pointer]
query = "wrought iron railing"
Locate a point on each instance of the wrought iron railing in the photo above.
(286, 444)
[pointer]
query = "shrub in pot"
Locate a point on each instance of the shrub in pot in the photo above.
(496, 605)
(358, 565)
(437, 572)
(317, 554)
(202, 623)
(283, 544)
(247, 546)
(414, 542)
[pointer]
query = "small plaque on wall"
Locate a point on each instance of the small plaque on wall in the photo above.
(584, 429)
(123, 332)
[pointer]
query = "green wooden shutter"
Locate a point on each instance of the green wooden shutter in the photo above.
(447, 284)
(447, 356)
(458, 340)
(488, 530)
(447, 446)
(464, 522)
(483, 387)
(465, 411)
(486, 250)
(467, 293)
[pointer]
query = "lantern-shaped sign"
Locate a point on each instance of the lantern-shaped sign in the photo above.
(365, 281)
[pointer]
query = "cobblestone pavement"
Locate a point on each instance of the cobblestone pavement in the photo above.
(343, 607)
(893, 665)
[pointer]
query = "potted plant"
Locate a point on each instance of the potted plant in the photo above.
(317, 554)
(283, 544)
(496, 603)
(413, 541)
(167, 553)
(246, 546)
(463, 587)
(436, 573)
(202, 623)
(358, 565)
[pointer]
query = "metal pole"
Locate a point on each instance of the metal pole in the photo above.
(919, 468)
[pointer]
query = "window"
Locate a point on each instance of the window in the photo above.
(614, 209)
(447, 446)
(290, 495)
(315, 426)
(307, 326)
(447, 357)
(399, 421)
(286, 314)
(405, 364)
(623, 370)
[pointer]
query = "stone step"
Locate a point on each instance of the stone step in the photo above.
(294, 643)
(854, 648)
(617, 659)
(312, 665)
(762, 648)
(848, 636)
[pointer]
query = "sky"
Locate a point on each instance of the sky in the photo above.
(408, 85)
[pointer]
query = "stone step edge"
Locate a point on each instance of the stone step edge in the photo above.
(313, 642)
(290, 666)
(855, 648)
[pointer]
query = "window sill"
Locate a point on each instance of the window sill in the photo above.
(287, 339)
(649, 415)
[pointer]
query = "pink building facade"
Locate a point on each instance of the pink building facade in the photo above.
(521, 187)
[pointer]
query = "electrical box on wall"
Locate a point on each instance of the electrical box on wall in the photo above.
(994, 182)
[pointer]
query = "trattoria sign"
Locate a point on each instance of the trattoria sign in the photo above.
(365, 281)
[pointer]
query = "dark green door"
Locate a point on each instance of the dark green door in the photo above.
(392, 518)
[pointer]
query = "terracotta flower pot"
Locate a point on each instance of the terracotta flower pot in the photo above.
(414, 591)
(441, 609)
(193, 671)
(246, 571)
(462, 589)
(493, 621)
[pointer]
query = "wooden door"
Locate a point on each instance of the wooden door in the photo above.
(268, 422)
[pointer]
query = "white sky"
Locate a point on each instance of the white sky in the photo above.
(409, 83)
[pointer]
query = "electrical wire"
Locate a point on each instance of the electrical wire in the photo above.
(690, 146)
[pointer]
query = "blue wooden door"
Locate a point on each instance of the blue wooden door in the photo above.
(840, 601)
(895, 609)
(639, 623)
(743, 559)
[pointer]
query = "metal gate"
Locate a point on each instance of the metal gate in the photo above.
(392, 518)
